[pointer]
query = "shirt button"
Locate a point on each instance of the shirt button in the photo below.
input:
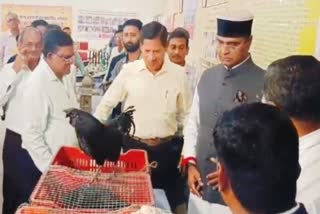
(223, 83)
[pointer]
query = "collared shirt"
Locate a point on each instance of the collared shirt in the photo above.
(8, 46)
(160, 100)
(308, 185)
(46, 127)
(12, 87)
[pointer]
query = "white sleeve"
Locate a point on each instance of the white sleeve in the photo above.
(184, 103)
(35, 123)
(191, 129)
(9, 80)
(116, 93)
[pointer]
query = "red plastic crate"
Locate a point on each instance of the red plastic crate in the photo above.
(134, 160)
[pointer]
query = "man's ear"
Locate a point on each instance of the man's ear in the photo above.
(223, 178)
(263, 100)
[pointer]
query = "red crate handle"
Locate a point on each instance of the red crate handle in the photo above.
(134, 160)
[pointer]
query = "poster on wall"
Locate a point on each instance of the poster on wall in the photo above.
(97, 25)
(61, 16)
(189, 11)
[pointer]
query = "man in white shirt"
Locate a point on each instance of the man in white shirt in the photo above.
(13, 82)
(118, 49)
(8, 43)
(293, 85)
(258, 160)
(178, 49)
(159, 91)
(131, 42)
(46, 127)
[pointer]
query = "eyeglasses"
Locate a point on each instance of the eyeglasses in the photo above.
(67, 59)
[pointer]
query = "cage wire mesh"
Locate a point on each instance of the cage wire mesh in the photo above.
(66, 188)
(29, 209)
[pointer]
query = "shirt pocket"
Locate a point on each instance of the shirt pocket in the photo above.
(171, 97)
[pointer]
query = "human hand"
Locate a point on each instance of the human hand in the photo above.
(21, 61)
(213, 177)
(194, 180)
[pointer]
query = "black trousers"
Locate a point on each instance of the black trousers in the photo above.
(20, 173)
(167, 175)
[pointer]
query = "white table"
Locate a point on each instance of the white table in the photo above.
(161, 200)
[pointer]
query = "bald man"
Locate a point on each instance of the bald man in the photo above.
(8, 41)
(13, 81)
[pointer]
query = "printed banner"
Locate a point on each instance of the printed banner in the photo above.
(61, 16)
(99, 24)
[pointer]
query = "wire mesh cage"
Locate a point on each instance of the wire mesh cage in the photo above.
(68, 186)
(29, 209)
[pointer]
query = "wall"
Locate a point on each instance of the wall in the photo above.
(281, 27)
(145, 9)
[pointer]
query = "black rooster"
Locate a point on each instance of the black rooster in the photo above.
(101, 142)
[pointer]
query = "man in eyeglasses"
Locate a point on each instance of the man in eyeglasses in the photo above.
(235, 81)
(8, 41)
(44, 127)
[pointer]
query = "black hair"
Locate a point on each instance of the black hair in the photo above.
(55, 39)
(39, 22)
(293, 84)
(53, 27)
(259, 148)
(119, 30)
(133, 22)
(180, 33)
(155, 30)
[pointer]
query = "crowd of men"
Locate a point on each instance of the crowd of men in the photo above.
(248, 137)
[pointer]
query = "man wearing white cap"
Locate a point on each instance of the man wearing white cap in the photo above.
(235, 81)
